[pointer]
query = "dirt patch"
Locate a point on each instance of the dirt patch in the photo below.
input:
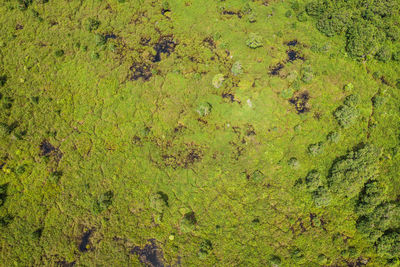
(293, 55)
(184, 158)
(150, 255)
(300, 102)
(292, 43)
(140, 70)
(228, 12)
(85, 241)
(47, 150)
(274, 70)
(165, 45)
(64, 263)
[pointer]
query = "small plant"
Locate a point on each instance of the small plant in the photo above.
(333, 137)
(313, 180)
(352, 100)
(237, 68)
(218, 80)
(257, 176)
(384, 54)
(92, 24)
(100, 39)
(103, 202)
(204, 109)
(346, 115)
(378, 101)
(254, 41)
(348, 87)
(302, 16)
(59, 53)
(315, 149)
(294, 163)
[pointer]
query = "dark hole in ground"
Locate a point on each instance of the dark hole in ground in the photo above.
(190, 217)
(150, 254)
(292, 43)
(293, 55)
(210, 42)
(229, 96)
(110, 36)
(83, 246)
(6, 220)
(276, 69)
(141, 70)
(300, 102)
(3, 80)
(3, 193)
(165, 45)
(64, 263)
(165, 10)
(46, 148)
(164, 197)
(239, 14)
(38, 233)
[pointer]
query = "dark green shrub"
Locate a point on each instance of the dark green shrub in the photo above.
(346, 115)
(369, 198)
(302, 16)
(288, 14)
(54, 177)
(257, 176)
(321, 196)
(188, 222)
(275, 260)
(3, 80)
(384, 54)
(352, 100)
(59, 53)
(313, 180)
(333, 24)
(349, 174)
(103, 202)
(363, 39)
(378, 101)
(294, 163)
(205, 248)
(389, 244)
(396, 56)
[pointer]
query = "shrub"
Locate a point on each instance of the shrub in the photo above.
(384, 54)
(257, 176)
(203, 109)
(333, 137)
(294, 163)
(333, 24)
(100, 39)
(321, 196)
(346, 115)
(237, 68)
(3, 80)
(349, 174)
(59, 53)
(92, 24)
(389, 244)
(363, 39)
(218, 80)
(315, 149)
(352, 100)
(188, 222)
(288, 14)
(378, 101)
(302, 16)
(369, 198)
(103, 202)
(313, 180)
(254, 41)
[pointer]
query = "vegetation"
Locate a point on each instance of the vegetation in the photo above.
(200, 133)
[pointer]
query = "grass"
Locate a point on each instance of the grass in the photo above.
(137, 138)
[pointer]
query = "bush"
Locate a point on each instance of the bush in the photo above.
(92, 24)
(315, 149)
(3, 80)
(294, 163)
(313, 180)
(302, 16)
(59, 53)
(321, 196)
(349, 174)
(333, 24)
(352, 100)
(333, 137)
(378, 101)
(346, 115)
(369, 198)
(100, 39)
(237, 68)
(384, 54)
(254, 41)
(363, 39)
(389, 244)
(203, 109)
(103, 202)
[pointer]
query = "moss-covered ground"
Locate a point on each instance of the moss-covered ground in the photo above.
(183, 133)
